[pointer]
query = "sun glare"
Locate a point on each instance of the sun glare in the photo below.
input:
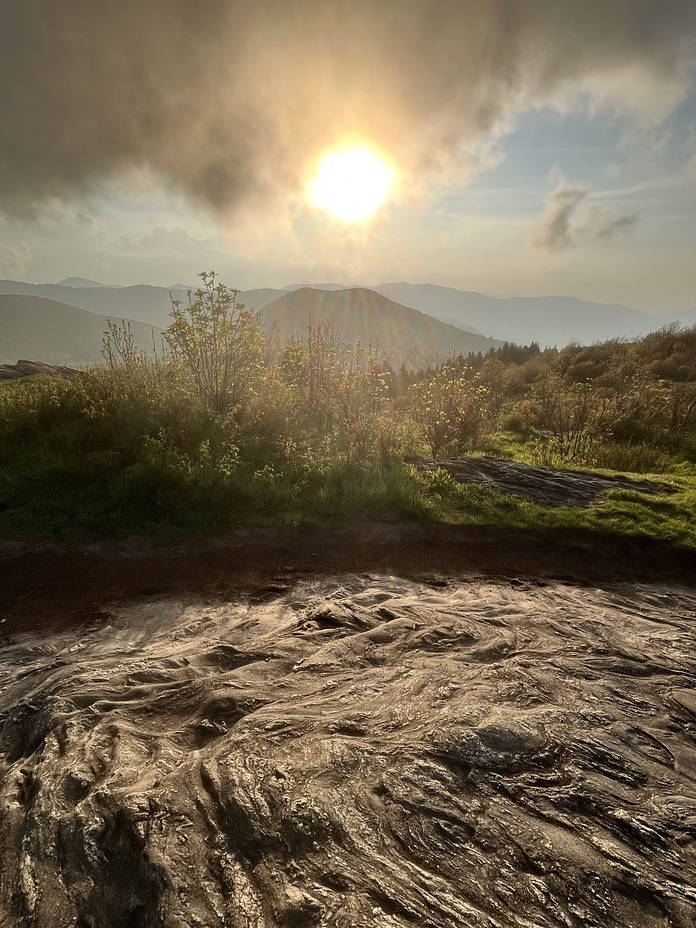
(351, 183)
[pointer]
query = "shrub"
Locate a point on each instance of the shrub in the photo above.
(219, 342)
(448, 409)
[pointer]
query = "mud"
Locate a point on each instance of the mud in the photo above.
(57, 585)
(354, 750)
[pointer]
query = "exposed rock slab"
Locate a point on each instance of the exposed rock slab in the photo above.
(358, 751)
(32, 369)
(547, 486)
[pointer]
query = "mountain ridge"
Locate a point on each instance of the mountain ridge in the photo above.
(85, 282)
(361, 315)
(548, 320)
(55, 333)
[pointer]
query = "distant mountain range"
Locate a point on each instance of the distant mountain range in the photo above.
(44, 330)
(292, 287)
(85, 282)
(152, 305)
(546, 320)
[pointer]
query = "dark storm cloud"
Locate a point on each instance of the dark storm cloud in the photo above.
(226, 99)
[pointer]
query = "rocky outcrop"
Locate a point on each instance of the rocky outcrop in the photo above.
(32, 369)
(355, 751)
(547, 486)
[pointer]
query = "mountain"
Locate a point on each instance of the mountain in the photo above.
(54, 332)
(460, 325)
(291, 287)
(257, 299)
(548, 320)
(366, 317)
(151, 305)
(85, 282)
(45, 330)
(687, 317)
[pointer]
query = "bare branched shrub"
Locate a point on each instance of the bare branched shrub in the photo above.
(581, 416)
(339, 391)
(119, 349)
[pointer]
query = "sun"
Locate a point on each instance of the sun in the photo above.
(351, 183)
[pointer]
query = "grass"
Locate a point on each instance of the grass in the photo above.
(108, 456)
(69, 497)
(668, 517)
(65, 497)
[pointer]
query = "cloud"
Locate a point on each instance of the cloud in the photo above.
(165, 242)
(555, 232)
(604, 225)
(561, 227)
(14, 259)
(230, 101)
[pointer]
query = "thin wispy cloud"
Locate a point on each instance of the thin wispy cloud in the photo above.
(566, 224)
(604, 225)
(14, 259)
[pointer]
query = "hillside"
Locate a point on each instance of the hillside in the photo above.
(45, 330)
(548, 320)
(82, 282)
(367, 317)
(55, 332)
(257, 299)
(151, 305)
(291, 287)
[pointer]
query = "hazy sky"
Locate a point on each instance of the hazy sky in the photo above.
(541, 146)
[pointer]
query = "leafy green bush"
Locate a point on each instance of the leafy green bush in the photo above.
(448, 409)
(220, 344)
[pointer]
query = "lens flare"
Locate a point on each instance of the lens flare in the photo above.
(351, 183)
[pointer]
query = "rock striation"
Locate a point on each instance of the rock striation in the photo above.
(359, 750)
(547, 486)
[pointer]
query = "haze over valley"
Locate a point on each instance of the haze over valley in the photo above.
(381, 316)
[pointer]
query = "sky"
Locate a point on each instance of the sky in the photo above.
(539, 146)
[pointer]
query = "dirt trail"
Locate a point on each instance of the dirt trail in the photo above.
(54, 585)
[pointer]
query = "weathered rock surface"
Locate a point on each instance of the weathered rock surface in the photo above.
(544, 485)
(358, 751)
(32, 368)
